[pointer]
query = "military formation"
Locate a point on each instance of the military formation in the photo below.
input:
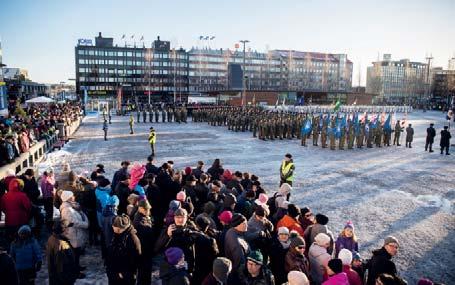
(153, 114)
(334, 131)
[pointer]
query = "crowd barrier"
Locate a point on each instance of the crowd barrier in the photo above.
(36, 153)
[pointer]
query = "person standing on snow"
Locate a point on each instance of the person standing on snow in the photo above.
(105, 127)
(152, 140)
(287, 170)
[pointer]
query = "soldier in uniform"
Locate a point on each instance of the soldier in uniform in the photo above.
(387, 134)
(184, 115)
(409, 135)
(144, 115)
(378, 135)
(150, 114)
(131, 122)
(360, 135)
(177, 115)
(332, 134)
(163, 115)
(255, 125)
(350, 135)
(169, 115)
(315, 126)
(342, 140)
(398, 130)
(157, 115)
(138, 113)
(370, 135)
(105, 128)
(324, 133)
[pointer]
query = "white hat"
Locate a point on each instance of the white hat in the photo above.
(283, 230)
(10, 172)
(345, 256)
(322, 239)
(297, 278)
(66, 195)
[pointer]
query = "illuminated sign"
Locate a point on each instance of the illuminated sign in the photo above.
(84, 42)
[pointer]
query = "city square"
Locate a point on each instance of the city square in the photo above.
(292, 151)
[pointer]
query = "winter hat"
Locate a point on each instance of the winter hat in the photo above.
(180, 212)
(202, 222)
(349, 224)
(227, 175)
(181, 196)
(144, 204)
(390, 239)
(256, 257)
(173, 255)
(262, 200)
(346, 256)
(191, 178)
(322, 239)
(24, 230)
(297, 241)
(297, 278)
(237, 219)
(187, 170)
(221, 268)
(121, 222)
(293, 210)
(260, 211)
(283, 230)
(425, 281)
(66, 195)
(336, 265)
(209, 207)
(217, 183)
(174, 205)
(104, 182)
(229, 200)
(285, 189)
(225, 217)
(322, 219)
(113, 201)
(288, 155)
(356, 256)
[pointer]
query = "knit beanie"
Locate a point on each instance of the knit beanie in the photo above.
(229, 200)
(174, 205)
(66, 195)
(322, 219)
(297, 278)
(221, 268)
(390, 239)
(25, 229)
(336, 265)
(322, 239)
(424, 281)
(256, 257)
(346, 256)
(297, 241)
(225, 217)
(173, 255)
(104, 182)
(181, 196)
(237, 219)
(293, 210)
(356, 256)
(350, 225)
(283, 230)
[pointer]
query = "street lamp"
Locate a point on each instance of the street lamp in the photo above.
(244, 42)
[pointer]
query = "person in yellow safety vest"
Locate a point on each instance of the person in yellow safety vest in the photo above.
(131, 124)
(287, 170)
(152, 140)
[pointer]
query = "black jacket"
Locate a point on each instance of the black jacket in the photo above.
(145, 233)
(206, 250)
(380, 263)
(445, 138)
(277, 258)
(170, 275)
(431, 133)
(122, 191)
(8, 269)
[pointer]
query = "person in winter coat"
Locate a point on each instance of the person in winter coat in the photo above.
(431, 133)
(16, 205)
(347, 239)
(109, 213)
(234, 183)
(183, 234)
(199, 170)
(122, 191)
(123, 253)
(172, 270)
(102, 192)
(216, 171)
(256, 272)
(121, 173)
(409, 135)
(346, 258)
(27, 255)
(259, 233)
(358, 265)
(445, 140)
(8, 268)
(381, 261)
(306, 218)
(235, 246)
(319, 258)
(336, 274)
(290, 220)
(320, 227)
(295, 259)
(281, 209)
(245, 203)
(278, 250)
(61, 262)
(143, 225)
(225, 221)
(297, 278)
(75, 222)
(206, 250)
(48, 191)
(221, 270)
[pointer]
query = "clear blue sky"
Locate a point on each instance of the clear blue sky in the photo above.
(40, 35)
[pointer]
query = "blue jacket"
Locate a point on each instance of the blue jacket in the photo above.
(102, 197)
(26, 254)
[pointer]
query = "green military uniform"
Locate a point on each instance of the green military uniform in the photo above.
(315, 126)
(398, 130)
(350, 137)
(131, 124)
(324, 133)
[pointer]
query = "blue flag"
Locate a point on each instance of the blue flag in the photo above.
(387, 124)
(306, 129)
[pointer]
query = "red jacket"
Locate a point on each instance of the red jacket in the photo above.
(16, 205)
(353, 277)
(291, 224)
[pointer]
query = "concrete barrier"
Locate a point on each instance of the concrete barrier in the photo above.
(36, 153)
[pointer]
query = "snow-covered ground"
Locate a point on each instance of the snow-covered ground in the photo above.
(408, 193)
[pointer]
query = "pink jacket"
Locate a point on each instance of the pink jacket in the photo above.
(337, 279)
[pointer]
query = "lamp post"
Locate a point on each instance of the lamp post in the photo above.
(244, 42)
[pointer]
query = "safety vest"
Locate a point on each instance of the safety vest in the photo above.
(152, 137)
(285, 170)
